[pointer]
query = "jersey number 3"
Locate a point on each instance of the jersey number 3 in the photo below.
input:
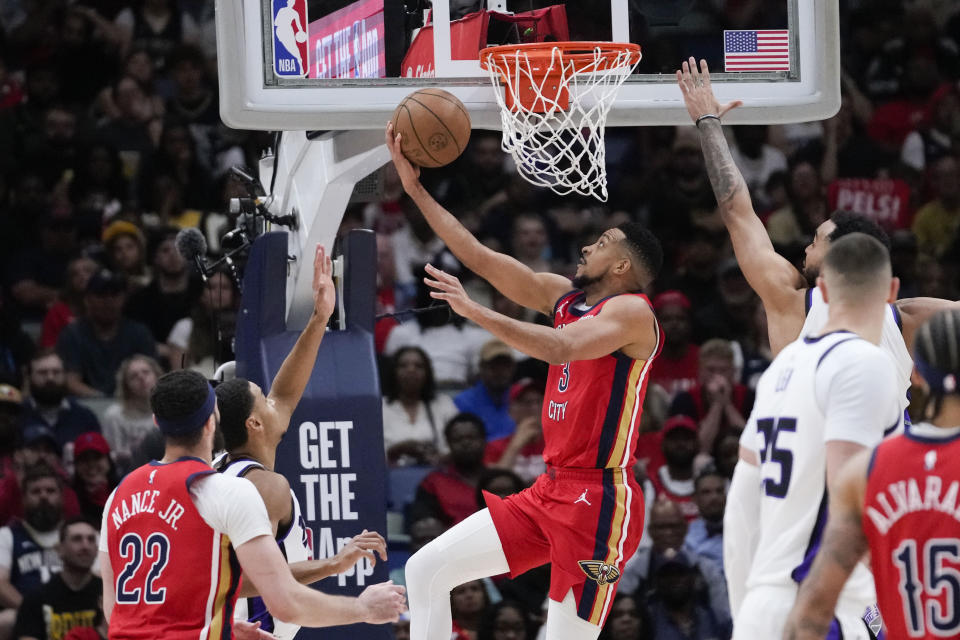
(564, 378)
(134, 551)
(770, 453)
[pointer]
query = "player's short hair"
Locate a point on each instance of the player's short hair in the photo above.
(235, 401)
(471, 418)
(710, 471)
(849, 222)
(37, 472)
(178, 395)
(644, 246)
(69, 522)
(858, 262)
(937, 354)
(716, 348)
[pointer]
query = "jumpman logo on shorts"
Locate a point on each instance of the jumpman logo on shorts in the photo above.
(583, 498)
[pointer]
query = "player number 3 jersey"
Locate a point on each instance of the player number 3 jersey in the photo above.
(592, 408)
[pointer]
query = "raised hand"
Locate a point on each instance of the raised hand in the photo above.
(243, 630)
(448, 287)
(324, 291)
(409, 173)
(697, 92)
(382, 602)
(361, 546)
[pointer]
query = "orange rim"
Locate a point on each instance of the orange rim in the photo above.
(580, 53)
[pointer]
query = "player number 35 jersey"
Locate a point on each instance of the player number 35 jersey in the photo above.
(835, 387)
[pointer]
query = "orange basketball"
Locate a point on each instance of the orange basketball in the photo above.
(434, 127)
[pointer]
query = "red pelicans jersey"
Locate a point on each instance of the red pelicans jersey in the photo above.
(912, 521)
(591, 408)
(176, 578)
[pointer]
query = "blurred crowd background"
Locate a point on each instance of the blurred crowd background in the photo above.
(111, 143)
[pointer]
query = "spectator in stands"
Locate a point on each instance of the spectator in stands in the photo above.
(705, 534)
(35, 275)
(717, 403)
(927, 144)
(413, 412)
(389, 295)
(177, 159)
(129, 420)
(507, 620)
(673, 480)
(488, 399)
(468, 604)
(695, 274)
(28, 547)
(172, 293)
(55, 150)
(71, 599)
(795, 223)
(139, 67)
(15, 345)
(451, 343)
(133, 130)
(667, 531)
(756, 159)
(422, 531)
(521, 451)
(893, 121)
(498, 482)
(450, 493)
(36, 446)
(69, 304)
(937, 224)
(628, 619)
(726, 452)
(729, 316)
(93, 347)
(96, 475)
(11, 407)
(530, 242)
(414, 245)
(675, 612)
(205, 339)
(126, 253)
(158, 27)
(675, 369)
(49, 402)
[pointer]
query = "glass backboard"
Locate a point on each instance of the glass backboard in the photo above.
(346, 64)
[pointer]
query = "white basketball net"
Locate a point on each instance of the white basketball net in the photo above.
(562, 149)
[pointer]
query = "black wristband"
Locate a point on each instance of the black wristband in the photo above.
(705, 117)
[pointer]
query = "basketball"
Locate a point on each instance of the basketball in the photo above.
(434, 127)
(301, 36)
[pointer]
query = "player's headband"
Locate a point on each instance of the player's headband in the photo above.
(940, 381)
(188, 424)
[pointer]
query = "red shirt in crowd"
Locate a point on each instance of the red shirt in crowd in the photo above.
(676, 375)
(456, 497)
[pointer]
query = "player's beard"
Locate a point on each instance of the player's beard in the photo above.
(584, 281)
(810, 274)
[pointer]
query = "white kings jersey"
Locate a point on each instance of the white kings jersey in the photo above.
(891, 340)
(293, 544)
(818, 389)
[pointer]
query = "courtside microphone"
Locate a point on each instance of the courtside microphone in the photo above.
(193, 247)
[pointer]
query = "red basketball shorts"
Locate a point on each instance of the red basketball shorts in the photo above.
(586, 522)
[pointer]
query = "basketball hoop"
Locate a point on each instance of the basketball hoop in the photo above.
(554, 103)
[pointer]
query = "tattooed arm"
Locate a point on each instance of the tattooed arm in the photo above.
(774, 279)
(844, 546)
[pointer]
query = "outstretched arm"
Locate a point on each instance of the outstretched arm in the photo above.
(844, 546)
(915, 311)
(364, 545)
(537, 291)
(291, 380)
(774, 279)
(626, 324)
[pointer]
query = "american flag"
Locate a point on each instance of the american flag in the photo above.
(766, 50)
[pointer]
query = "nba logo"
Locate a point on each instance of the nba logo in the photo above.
(290, 38)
